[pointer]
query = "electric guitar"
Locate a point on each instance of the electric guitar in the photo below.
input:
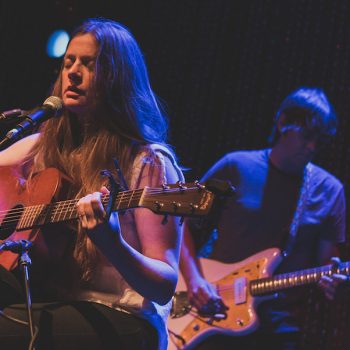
(27, 207)
(242, 287)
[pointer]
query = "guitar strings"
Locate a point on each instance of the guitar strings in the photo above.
(105, 197)
(66, 204)
(14, 215)
(121, 194)
(282, 281)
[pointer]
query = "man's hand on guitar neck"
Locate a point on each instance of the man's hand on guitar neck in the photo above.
(330, 284)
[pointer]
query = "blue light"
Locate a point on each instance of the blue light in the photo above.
(57, 43)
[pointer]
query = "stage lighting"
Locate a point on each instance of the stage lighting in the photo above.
(57, 43)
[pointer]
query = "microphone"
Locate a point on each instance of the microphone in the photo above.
(13, 113)
(52, 107)
(16, 246)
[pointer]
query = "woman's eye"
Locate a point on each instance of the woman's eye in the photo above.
(90, 64)
(68, 63)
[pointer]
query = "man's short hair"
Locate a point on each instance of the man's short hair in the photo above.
(307, 108)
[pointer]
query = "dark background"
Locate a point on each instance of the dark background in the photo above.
(222, 67)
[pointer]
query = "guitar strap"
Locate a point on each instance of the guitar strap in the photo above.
(304, 190)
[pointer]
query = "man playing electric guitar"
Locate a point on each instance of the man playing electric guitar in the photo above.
(282, 201)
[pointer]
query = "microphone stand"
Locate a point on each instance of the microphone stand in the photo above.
(25, 261)
(16, 134)
(8, 120)
(21, 247)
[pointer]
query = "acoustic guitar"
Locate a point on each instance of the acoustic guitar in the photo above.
(25, 207)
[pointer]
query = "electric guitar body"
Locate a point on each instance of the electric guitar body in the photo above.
(242, 287)
(232, 281)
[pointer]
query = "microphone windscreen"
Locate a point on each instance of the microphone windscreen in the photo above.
(55, 103)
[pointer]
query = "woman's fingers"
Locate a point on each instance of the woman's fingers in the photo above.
(90, 210)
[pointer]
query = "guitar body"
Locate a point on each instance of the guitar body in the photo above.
(232, 281)
(14, 193)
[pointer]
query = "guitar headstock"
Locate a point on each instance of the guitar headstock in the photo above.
(180, 199)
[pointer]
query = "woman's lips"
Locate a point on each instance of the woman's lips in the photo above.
(73, 91)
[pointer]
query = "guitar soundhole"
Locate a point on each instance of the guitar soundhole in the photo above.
(10, 221)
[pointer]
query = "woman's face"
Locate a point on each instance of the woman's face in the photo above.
(78, 73)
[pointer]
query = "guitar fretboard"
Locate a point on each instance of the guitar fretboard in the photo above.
(294, 279)
(23, 218)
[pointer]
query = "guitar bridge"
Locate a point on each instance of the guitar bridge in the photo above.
(180, 305)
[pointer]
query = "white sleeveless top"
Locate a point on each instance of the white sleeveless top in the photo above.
(108, 286)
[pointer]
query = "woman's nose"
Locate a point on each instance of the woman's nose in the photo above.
(74, 71)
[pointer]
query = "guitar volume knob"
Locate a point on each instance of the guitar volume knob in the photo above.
(239, 322)
(196, 327)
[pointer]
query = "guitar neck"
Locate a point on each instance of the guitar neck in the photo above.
(179, 199)
(294, 279)
(24, 218)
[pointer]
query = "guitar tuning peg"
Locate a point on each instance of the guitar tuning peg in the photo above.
(181, 185)
(158, 205)
(181, 220)
(176, 205)
(199, 185)
(165, 220)
(194, 207)
(165, 186)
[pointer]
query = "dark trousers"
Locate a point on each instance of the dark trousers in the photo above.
(70, 326)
